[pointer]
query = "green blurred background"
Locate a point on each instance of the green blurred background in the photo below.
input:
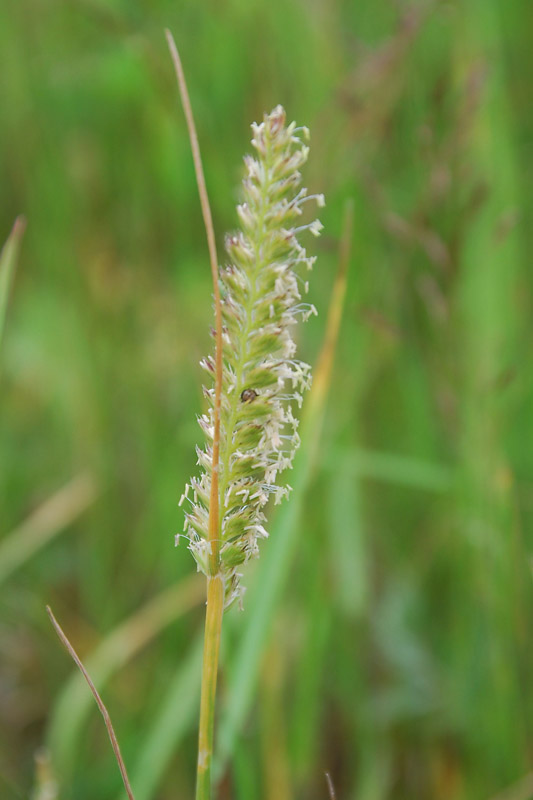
(400, 650)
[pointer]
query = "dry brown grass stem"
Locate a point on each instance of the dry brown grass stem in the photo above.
(331, 788)
(99, 702)
(208, 222)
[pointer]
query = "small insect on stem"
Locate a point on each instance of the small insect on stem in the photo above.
(248, 395)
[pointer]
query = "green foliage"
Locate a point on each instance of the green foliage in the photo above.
(386, 633)
(8, 259)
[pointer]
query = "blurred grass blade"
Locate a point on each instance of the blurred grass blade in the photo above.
(247, 779)
(52, 517)
(46, 787)
(273, 568)
(276, 764)
(315, 645)
(393, 468)
(8, 260)
(346, 538)
(314, 410)
(176, 716)
(521, 790)
(75, 702)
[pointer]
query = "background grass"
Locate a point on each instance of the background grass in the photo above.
(398, 654)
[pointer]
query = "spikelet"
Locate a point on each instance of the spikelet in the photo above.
(262, 382)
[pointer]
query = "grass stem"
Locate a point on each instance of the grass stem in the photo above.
(215, 583)
(214, 538)
(213, 625)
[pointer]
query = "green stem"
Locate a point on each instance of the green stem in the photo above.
(213, 626)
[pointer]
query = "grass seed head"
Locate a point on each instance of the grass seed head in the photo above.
(262, 380)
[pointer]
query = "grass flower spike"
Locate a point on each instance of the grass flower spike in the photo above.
(262, 380)
(256, 381)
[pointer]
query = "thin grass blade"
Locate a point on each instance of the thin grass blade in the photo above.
(75, 703)
(8, 260)
(99, 702)
(176, 716)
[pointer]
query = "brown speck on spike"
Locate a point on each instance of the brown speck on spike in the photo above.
(248, 395)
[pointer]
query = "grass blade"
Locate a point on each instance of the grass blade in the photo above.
(176, 716)
(99, 702)
(74, 703)
(394, 468)
(8, 260)
(52, 517)
(347, 542)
